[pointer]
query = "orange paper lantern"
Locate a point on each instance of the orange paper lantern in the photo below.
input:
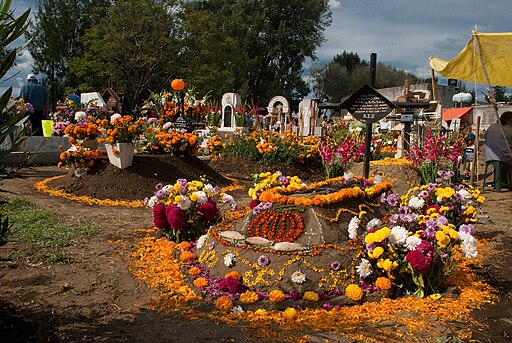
(178, 84)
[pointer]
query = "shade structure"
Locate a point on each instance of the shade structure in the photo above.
(492, 51)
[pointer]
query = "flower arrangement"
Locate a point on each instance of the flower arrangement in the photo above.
(63, 116)
(157, 137)
(268, 180)
(119, 129)
(79, 158)
(20, 107)
(186, 209)
(436, 152)
(85, 129)
(414, 247)
(213, 118)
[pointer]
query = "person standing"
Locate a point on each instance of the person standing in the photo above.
(498, 140)
(37, 95)
(75, 96)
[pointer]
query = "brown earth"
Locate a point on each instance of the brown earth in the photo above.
(94, 297)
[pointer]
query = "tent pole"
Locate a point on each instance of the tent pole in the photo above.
(484, 69)
(474, 165)
(434, 90)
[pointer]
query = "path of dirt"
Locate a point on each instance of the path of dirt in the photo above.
(94, 297)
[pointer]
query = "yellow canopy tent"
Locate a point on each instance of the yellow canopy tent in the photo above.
(486, 58)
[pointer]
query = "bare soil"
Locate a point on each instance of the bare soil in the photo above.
(93, 297)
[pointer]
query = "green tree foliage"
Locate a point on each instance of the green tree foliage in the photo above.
(135, 45)
(274, 38)
(348, 72)
(11, 28)
(56, 37)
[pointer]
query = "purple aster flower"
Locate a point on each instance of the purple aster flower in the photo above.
(284, 180)
(394, 218)
(159, 186)
(441, 220)
(424, 194)
(183, 182)
(160, 194)
(393, 199)
(294, 295)
(337, 292)
(263, 261)
(403, 210)
(335, 265)
(431, 187)
(383, 197)
(467, 228)
(429, 232)
(327, 306)
(211, 246)
(370, 247)
(323, 296)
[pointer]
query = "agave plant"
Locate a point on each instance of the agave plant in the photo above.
(11, 28)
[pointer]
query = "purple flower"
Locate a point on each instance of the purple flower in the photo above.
(335, 265)
(231, 284)
(160, 194)
(467, 228)
(211, 246)
(294, 295)
(403, 210)
(337, 292)
(393, 199)
(284, 180)
(327, 306)
(441, 220)
(394, 218)
(383, 197)
(159, 186)
(424, 193)
(263, 261)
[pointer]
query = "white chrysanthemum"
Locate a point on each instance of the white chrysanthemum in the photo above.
(167, 125)
(227, 198)
(237, 309)
(229, 259)
(201, 197)
(469, 247)
(398, 235)
(372, 223)
(416, 203)
(184, 204)
(115, 117)
(412, 242)
(464, 236)
(209, 189)
(298, 277)
(80, 115)
(465, 196)
(364, 269)
(201, 241)
(352, 227)
(73, 148)
(152, 201)
(166, 188)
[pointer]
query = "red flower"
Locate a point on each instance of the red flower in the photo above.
(175, 216)
(231, 284)
(208, 210)
(254, 203)
(436, 209)
(419, 262)
(159, 217)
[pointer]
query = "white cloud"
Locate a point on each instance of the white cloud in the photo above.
(334, 4)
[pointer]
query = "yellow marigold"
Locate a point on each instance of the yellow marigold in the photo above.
(224, 304)
(376, 253)
(382, 234)
(194, 271)
(370, 238)
(383, 283)
(187, 256)
(276, 296)
(354, 292)
(442, 239)
(248, 297)
(290, 312)
(183, 246)
(234, 274)
(201, 282)
(387, 264)
(311, 296)
(260, 312)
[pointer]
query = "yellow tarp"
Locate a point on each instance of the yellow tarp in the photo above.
(496, 50)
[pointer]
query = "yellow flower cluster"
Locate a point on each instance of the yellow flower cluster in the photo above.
(311, 296)
(377, 236)
(248, 297)
(224, 304)
(354, 292)
(276, 296)
(446, 192)
(383, 283)
(268, 180)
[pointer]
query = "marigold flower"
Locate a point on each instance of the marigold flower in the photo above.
(354, 292)
(276, 296)
(383, 283)
(290, 312)
(194, 271)
(233, 274)
(187, 256)
(201, 282)
(183, 246)
(248, 297)
(311, 296)
(376, 253)
(224, 304)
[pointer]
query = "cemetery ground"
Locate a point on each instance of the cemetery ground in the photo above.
(78, 287)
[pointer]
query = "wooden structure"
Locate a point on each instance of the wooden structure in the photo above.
(113, 99)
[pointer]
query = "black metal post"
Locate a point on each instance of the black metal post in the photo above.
(368, 138)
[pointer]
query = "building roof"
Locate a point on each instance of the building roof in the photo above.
(453, 113)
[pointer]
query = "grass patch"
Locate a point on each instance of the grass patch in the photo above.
(33, 225)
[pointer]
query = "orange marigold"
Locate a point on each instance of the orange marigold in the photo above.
(248, 297)
(194, 271)
(201, 282)
(276, 296)
(234, 274)
(224, 304)
(383, 283)
(183, 246)
(187, 256)
(354, 292)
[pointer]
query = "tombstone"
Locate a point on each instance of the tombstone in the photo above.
(230, 102)
(279, 109)
(308, 111)
(113, 100)
(94, 98)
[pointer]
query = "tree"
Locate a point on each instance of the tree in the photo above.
(274, 38)
(347, 72)
(56, 37)
(135, 45)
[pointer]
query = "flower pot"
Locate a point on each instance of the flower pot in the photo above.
(123, 156)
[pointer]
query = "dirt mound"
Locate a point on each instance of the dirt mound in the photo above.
(105, 181)
(242, 168)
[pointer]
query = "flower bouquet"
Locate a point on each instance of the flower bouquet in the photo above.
(62, 117)
(119, 129)
(79, 158)
(415, 246)
(186, 209)
(85, 130)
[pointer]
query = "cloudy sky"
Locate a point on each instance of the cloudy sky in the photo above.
(403, 33)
